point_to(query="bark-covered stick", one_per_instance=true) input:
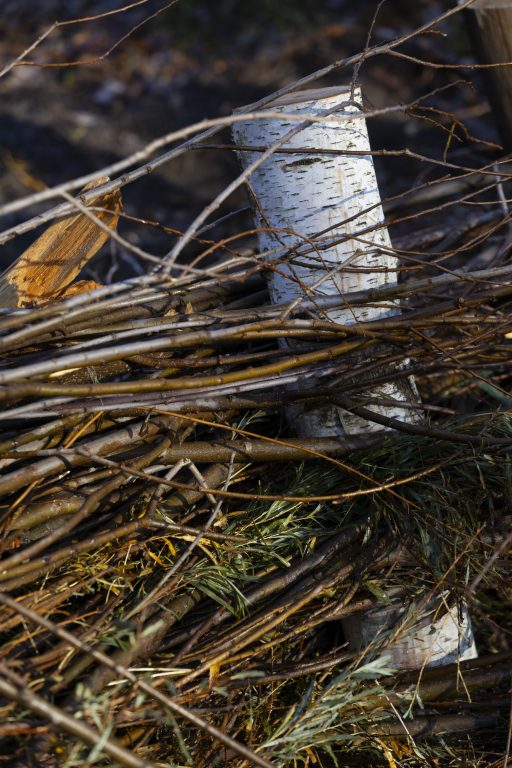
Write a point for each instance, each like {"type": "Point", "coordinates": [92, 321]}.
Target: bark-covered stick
{"type": "Point", "coordinates": [490, 26]}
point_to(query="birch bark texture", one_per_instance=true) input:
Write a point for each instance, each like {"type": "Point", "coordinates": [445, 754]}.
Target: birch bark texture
{"type": "Point", "coordinates": [322, 225]}
{"type": "Point", "coordinates": [323, 232]}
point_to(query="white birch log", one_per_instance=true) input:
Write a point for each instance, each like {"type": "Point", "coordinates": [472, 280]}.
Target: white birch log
{"type": "Point", "coordinates": [307, 201]}
{"type": "Point", "coordinates": [440, 635]}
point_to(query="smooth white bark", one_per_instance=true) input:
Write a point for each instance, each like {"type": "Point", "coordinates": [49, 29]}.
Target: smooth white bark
{"type": "Point", "coordinates": [327, 207]}
{"type": "Point", "coordinates": [441, 636]}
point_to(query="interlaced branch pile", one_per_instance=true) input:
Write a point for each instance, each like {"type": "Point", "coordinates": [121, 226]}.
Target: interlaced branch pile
{"type": "Point", "coordinates": [175, 562]}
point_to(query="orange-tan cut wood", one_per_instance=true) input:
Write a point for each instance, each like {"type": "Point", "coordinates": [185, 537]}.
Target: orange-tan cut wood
{"type": "Point", "coordinates": [45, 270]}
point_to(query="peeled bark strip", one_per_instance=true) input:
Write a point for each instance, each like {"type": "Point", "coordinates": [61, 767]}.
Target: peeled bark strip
{"type": "Point", "coordinates": [323, 230]}
{"type": "Point", "coordinates": [45, 270]}
{"type": "Point", "coordinates": [309, 202]}
{"type": "Point", "coordinates": [490, 24]}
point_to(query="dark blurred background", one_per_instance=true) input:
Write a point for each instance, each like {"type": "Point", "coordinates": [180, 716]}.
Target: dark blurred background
{"type": "Point", "coordinates": [203, 58]}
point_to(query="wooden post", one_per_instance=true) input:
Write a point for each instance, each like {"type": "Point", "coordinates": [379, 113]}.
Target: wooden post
{"type": "Point", "coordinates": [308, 201]}
{"type": "Point", "coordinates": [490, 27]}
{"type": "Point", "coordinates": [321, 219]}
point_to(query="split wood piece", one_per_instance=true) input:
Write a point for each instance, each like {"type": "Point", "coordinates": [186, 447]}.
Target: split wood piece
{"type": "Point", "coordinates": [490, 27]}
{"type": "Point", "coordinates": [45, 270]}
{"type": "Point", "coordinates": [322, 225]}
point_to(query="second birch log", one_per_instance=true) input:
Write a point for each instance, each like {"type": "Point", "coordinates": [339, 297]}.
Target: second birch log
{"type": "Point", "coordinates": [322, 225]}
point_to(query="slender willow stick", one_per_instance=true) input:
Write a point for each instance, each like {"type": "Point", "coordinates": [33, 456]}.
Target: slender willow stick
{"type": "Point", "coordinates": [487, 675]}
{"type": "Point", "coordinates": [149, 643]}
{"type": "Point", "coordinates": [125, 673]}
{"type": "Point", "coordinates": [29, 572]}
{"type": "Point", "coordinates": [418, 429]}
{"type": "Point", "coordinates": [429, 726]}
{"type": "Point", "coordinates": [495, 279]}
{"type": "Point", "coordinates": [256, 450]}
{"type": "Point", "coordinates": [111, 442]}
{"type": "Point", "coordinates": [281, 581]}
{"type": "Point", "coordinates": [87, 508]}
{"type": "Point", "coordinates": [14, 688]}
{"type": "Point", "coordinates": [86, 358]}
